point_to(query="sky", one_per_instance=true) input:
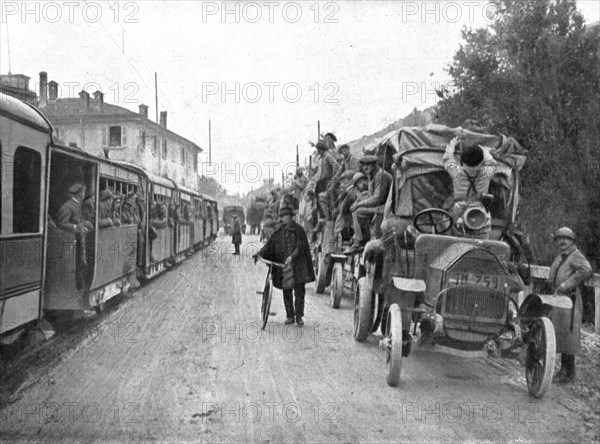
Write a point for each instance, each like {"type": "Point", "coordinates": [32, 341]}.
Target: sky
{"type": "Point", "coordinates": [263, 72]}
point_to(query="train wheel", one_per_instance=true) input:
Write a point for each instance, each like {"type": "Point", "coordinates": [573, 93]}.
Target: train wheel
{"type": "Point", "coordinates": [393, 346]}
{"type": "Point", "coordinates": [541, 355]}
{"type": "Point", "coordinates": [336, 289]}
{"type": "Point", "coordinates": [321, 273]}
{"type": "Point", "coordinates": [363, 310]}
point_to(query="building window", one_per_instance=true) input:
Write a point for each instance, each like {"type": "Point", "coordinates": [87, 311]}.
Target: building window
{"type": "Point", "coordinates": [182, 155]}
{"type": "Point", "coordinates": [114, 136]}
{"type": "Point", "coordinates": [142, 140]}
{"type": "Point", "coordinates": [195, 162]}
{"type": "Point", "coordinates": [164, 149]}
{"type": "Point", "coordinates": [155, 146]}
{"type": "Point", "coordinates": [26, 191]}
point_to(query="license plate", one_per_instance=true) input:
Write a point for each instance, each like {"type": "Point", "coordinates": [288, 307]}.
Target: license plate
{"type": "Point", "coordinates": [482, 280]}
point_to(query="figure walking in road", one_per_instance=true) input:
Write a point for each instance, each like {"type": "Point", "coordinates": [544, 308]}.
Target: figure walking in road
{"type": "Point", "coordinates": [568, 271]}
{"type": "Point", "coordinates": [289, 246]}
{"type": "Point", "coordinates": [236, 235]}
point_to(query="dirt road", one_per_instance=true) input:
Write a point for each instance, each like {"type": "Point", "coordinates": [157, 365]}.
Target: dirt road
{"type": "Point", "coordinates": [184, 359]}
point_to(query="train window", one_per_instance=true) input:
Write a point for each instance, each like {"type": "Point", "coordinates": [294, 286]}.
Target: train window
{"type": "Point", "coordinates": [26, 191]}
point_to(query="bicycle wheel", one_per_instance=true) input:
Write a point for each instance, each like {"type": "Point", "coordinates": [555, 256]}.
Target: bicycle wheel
{"type": "Point", "coordinates": [266, 302]}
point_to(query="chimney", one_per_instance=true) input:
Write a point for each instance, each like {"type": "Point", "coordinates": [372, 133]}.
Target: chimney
{"type": "Point", "coordinates": [163, 119]}
{"type": "Point", "coordinates": [52, 91]}
{"type": "Point", "coordinates": [99, 99]}
{"type": "Point", "coordinates": [85, 99]}
{"type": "Point", "coordinates": [43, 88]}
{"type": "Point", "coordinates": [144, 110]}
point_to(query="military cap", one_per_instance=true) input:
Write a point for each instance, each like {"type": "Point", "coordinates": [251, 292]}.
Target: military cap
{"type": "Point", "coordinates": [368, 158]}
{"type": "Point", "coordinates": [332, 136]}
{"type": "Point", "coordinates": [286, 211]}
{"type": "Point", "coordinates": [565, 232]}
{"type": "Point", "coordinates": [106, 195]}
{"type": "Point", "coordinates": [75, 188]}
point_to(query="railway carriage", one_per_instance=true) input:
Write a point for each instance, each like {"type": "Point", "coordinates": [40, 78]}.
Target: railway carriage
{"type": "Point", "coordinates": [25, 137]}
{"type": "Point", "coordinates": [45, 269]}
{"type": "Point", "coordinates": [84, 271]}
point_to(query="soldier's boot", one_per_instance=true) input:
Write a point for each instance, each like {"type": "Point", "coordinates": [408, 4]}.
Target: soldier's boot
{"type": "Point", "coordinates": [569, 365]}
{"type": "Point", "coordinates": [563, 368]}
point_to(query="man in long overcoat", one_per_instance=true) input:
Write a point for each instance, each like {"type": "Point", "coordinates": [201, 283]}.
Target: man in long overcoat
{"type": "Point", "coordinates": [289, 245]}
{"type": "Point", "coordinates": [236, 235]}
{"type": "Point", "coordinates": [568, 271]}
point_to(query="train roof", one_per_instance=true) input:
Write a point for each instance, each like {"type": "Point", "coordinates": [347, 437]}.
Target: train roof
{"type": "Point", "coordinates": [24, 113]}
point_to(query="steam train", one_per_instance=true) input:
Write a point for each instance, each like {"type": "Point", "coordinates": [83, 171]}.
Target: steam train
{"type": "Point", "coordinates": [45, 269]}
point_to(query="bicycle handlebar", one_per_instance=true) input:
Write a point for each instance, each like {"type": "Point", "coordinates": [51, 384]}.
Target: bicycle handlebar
{"type": "Point", "coordinates": [268, 262]}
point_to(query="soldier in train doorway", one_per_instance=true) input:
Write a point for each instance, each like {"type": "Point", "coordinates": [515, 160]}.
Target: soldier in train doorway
{"type": "Point", "coordinates": [236, 235]}
{"type": "Point", "coordinates": [289, 246]}
{"type": "Point", "coordinates": [568, 271]}
{"type": "Point", "coordinates": [70, 219]}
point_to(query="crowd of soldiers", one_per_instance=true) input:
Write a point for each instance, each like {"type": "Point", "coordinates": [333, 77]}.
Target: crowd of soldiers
{"type": "Point", "coordinates": [338, 187]}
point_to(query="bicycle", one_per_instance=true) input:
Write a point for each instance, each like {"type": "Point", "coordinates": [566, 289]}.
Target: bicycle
{"type": "Point", "coordinates": [267, 293]}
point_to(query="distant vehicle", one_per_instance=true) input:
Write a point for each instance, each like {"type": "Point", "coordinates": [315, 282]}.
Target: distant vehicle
{"type": "Point", "coordinates": [255, 212]}
{"type": "Point", "coordinates": [228, 213]}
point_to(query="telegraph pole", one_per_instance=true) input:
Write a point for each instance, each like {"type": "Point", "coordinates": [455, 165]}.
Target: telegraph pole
{"type": "Point", "coordinates": [318, 130]}
{"type": "Point", "coordinates": [297, 157]}
{"type": "Point", "coordinates": [156, 140]}
{"type": "Point", "coordinates": [209, 144]}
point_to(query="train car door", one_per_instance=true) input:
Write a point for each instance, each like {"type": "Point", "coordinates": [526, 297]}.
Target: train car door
{"type": "Point", "coordinates": [70, 254]}
{"type": "Point", "coordinates": [24, 140]}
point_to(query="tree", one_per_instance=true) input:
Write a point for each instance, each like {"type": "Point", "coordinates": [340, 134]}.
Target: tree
{"type": "Point", "coordinates": [535, 74]}
{"type": "Point", "coordinates": [211, 187]}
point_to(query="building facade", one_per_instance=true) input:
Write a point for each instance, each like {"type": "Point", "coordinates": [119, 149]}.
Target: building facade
{"type": "Point", "coordinates": [111, 131]}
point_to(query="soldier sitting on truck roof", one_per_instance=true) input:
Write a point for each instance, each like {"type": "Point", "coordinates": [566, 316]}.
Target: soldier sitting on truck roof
{"type": "Point", "coordinates": [471, 180]}
{"type": "Point", "coordinates": [369, 212]}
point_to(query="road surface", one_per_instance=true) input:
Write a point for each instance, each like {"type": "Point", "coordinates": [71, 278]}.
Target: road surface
{"type": "Point", "coordinates": [183, 359]}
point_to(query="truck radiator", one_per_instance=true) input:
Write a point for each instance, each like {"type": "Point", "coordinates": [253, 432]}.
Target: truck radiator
{"type": "Point", "coordinates": [471, 302]}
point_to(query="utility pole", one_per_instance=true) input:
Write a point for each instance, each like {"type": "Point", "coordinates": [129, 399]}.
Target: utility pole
{"type": "Point", "coordinates": [209, 144]}
{"type": "Point", "coordinates": [297, 157]}
{"type": "Point", "coordinates": [318, 130]}
{"type": "Point", "coordinates": [156, 139]}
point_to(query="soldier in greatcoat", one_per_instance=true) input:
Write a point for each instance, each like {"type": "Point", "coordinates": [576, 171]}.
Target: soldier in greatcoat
{"type": "Point", "coordinates": [568, 271]}
{"type": "Point", "coordinates": [236, 235]}
{"type": "Point", "coordinates": [289, 245]}
{"type": "Point", "coordinates": [71, 220]}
